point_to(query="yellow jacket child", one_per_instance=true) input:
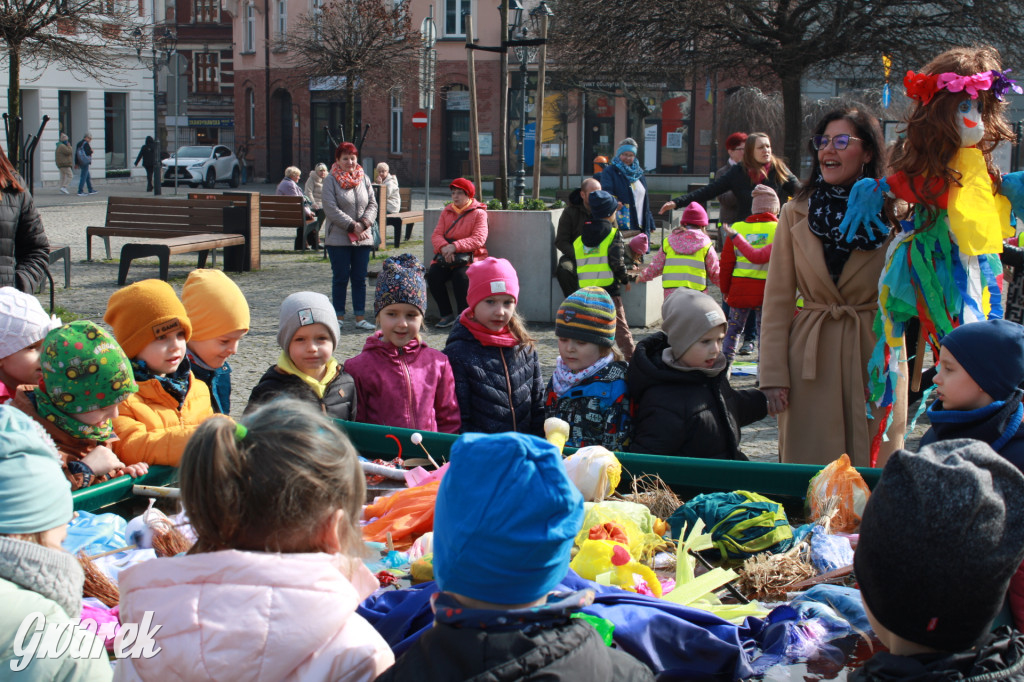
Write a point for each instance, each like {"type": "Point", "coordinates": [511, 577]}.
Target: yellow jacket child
{"type": "Point", "coordinates": [154, 424]}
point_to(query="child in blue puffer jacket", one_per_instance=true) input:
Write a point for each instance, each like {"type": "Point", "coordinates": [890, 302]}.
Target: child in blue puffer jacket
{"type": "Point", "coordinates": [497, 371]}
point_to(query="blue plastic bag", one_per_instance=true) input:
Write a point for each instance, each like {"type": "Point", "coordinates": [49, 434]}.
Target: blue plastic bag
{"type": "Point", "coordinates": [95, 533]}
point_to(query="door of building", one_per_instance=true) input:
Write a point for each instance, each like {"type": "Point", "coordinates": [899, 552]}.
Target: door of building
{"type": "Point", "coordinates": [456, 130]}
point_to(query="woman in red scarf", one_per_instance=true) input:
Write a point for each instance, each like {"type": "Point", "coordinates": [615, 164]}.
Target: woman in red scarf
{"type": "Point", "coordinates": [351, 210]}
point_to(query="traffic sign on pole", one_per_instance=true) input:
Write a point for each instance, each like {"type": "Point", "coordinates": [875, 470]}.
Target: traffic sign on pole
{"type": "Point", "coordinates": [419, 119]}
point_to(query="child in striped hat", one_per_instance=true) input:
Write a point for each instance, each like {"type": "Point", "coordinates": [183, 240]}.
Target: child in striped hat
{"type": "Point", "coordinates": [588, 388]}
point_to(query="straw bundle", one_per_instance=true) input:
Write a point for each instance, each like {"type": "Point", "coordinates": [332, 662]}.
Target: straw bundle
{"type": "Point", "coordinates": [97, 584]}
{"type": "Point", "coordinates": [652, 492]}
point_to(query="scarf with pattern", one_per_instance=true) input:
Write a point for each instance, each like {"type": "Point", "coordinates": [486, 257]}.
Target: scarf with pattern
{"type": "Point", "coordinates": [564, 379]}
{"type": "Point", "coordinates": [347, 179]}
{"type": "Point", "coordinates": [176, 384]}
{"type": "Point", "coordinates": [826, 208]}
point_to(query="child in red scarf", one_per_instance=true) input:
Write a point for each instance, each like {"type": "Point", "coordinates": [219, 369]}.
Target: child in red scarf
{"type": "Point", "coordinates": [496, 368]}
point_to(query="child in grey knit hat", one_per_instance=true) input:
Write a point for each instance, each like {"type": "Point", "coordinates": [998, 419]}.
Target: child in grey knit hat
{"type": "Point", "coordinates": [679, 384]}
{"type": "Point", "coordinates": [308, 333]}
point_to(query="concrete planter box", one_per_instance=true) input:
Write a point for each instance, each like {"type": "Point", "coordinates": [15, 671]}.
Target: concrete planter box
{"type": "Point", "coordinates": [527, 240]}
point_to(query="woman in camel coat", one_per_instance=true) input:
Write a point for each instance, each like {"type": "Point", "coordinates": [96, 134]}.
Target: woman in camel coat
{"type": "Point", "coordinates": [813, 360]}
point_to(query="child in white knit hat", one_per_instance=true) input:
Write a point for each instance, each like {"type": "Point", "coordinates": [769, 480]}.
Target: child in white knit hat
{"type": "Point", "coordinates": [23, 325]}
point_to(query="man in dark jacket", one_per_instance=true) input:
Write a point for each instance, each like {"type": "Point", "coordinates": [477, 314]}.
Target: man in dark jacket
{"type": "Point", "coordinates": [148, 160]}
{"type": "Point", "coordinates": [960, 501]}
{"type": "Point", "coordinates": [83, 159]}
{"type": "Point", "coordinates": [570, 227]}
{"type": "Point", "coordinates": [504, 525]}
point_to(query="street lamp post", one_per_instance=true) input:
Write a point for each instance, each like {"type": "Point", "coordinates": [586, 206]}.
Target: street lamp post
{"type": "Point", "coordinates": [163, 47]}
{"type": "Point", "coordinates": [526, 50]}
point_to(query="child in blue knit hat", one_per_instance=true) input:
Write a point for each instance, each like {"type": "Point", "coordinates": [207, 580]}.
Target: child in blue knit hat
{"type": "Point", "coordinates": [980, 372]}
{"type": "Point", "coordinates": [504, 524]}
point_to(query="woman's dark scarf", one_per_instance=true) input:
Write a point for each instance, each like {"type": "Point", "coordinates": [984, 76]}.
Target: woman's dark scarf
{"type": "Point", "coordinates": [826, 208]}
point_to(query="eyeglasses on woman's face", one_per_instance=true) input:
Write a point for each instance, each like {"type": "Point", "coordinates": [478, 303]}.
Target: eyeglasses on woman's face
{"type": "Point", "coordinates": [839, 142]}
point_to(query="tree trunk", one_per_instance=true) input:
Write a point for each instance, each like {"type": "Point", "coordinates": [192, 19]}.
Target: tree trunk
{"type": "Point", "coordinates": [13, 103]}
{"type": "Point", "coordinates": [350, 108]}
{"type": "Point", "coordinates": [792, 117]}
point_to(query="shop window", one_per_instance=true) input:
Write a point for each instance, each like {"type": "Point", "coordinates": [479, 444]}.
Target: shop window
{"type": "Point", "coordinates": [115, 129]}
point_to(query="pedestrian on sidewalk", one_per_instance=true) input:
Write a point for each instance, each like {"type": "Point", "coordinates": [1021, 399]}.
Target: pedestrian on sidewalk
{"type": "Point", "coordinates": [83, 160]}
{"type": "Point", "coordinates": [148, 159]}
{"type": "Point", "coordinates": [65, 158]}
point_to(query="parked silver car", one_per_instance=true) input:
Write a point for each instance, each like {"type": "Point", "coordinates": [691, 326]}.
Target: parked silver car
{"type": "Point", "coordinates": [202, 165]}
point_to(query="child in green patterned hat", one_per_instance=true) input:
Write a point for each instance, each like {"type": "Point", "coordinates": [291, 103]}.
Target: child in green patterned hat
{"type": "Point", "coordinates": [85, 376]}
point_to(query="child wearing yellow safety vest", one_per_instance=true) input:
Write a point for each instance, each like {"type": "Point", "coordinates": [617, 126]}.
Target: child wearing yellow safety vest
{"type": "Point", "coordinates": [687, 257]}
{"type": "Point", "coordinates": [743, 277]}
{"type": "Point", "coordinates": [600, 263]}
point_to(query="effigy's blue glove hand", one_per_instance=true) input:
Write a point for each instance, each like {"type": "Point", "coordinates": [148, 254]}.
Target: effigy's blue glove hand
{"type": "Point", "coordinates": [1012, 188]}
{"type": "Point", "coordinates": [864, 209]}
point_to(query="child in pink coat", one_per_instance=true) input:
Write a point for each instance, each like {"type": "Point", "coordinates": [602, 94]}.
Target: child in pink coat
{"type": "Point", "coordinates": [687, 239]}
{"type": "Point", "coordinates": [271, 587]}
{"type": "Point", "coordinates": [400, 381]}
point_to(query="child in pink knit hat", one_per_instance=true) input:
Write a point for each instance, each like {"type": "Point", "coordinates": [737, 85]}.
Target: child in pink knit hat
{"type": "Point", "coordinates": [497, 371]}
{"type": "Point", "coordinates": [687, 257]}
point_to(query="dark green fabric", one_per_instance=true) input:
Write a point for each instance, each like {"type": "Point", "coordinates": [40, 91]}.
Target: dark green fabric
{"type": "Point", "coordinates": [741, 523]}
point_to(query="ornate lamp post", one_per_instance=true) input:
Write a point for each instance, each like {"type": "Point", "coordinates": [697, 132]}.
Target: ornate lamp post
{"type": "Point", "coordinates": [163, 45]}
{"type": "Point", "coordinates": [522, 26]}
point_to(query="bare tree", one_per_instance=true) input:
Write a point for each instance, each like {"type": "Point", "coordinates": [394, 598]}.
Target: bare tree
{"type": "Point", "coordinates": [370, 43]}
{"type": "Point", "coordinates": [82, 36]}
{"type": "Point", "coordinates": [781, 40]}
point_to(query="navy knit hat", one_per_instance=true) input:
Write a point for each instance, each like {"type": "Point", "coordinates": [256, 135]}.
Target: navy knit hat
{"type": "Point", "coordinates": [992, 352]}
{"type": "Point", "coordinates": [602, 204]}
{"type": "Point", "coordinates": [505, 518]}
{"type": "Point", "coordinates": [400, 281]}
{"type": "Point", "coordinates": [941, 535]}
{"type": "Point", "coordinates": [587, 315]}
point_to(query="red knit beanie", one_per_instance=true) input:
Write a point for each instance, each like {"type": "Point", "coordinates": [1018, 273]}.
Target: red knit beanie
{"type": "Point", "coordinates": [465, 185]}
{"type": "Point", "coordinates": [694, 214]}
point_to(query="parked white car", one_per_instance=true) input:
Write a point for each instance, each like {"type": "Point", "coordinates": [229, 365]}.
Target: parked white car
{"type": "Point", "coordinates": [202, 165]}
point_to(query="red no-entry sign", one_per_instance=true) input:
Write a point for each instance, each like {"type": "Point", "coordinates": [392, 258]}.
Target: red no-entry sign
{"type": "Point", "coordinates": [419, 119]}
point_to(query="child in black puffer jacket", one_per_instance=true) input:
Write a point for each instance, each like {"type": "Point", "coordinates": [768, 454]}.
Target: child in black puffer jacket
{"type": "Point", "coordinates": [497, 372]}
{"type": "Point", "coordinates": [679, 385]}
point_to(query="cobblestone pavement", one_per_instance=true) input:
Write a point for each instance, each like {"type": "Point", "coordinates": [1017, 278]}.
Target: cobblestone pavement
{"type": "Point", "coordinates": [284, 271]}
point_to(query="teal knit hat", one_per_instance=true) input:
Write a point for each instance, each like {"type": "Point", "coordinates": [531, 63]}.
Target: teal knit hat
{"type": "Point", "coordinates": [35, 496]}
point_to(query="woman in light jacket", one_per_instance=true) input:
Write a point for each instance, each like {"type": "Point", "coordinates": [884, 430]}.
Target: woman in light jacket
{"type": "Point", "coordinates": [814, 358]}
{"type": "Point", "coordinates": [314, 193]}
{"type": "Point", "coordinates": [351, 210]}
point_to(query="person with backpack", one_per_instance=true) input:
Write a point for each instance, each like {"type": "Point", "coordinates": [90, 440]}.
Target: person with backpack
{"type": "Point", "coordinates": [83, 160]}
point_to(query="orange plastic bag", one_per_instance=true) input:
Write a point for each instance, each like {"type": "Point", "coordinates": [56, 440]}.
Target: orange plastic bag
{"type": "Point", "coordinates": [407, 514]}
{"type": "Point", "coordinates": [838, 479]}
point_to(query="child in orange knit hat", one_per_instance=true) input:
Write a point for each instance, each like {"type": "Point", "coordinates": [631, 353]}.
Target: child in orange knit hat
{"type": "Point", "coordinates": [220, 318]}
{"type": "Point", "coordinates": [152, 327]}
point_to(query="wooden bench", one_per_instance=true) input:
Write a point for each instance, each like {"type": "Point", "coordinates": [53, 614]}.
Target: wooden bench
{"type": "Point", "coordinates": [287, 211]}
{"type": "Point", "coordinates": [405, 215]}
{"type": "Point", "coordinates": [62, 252]}
{"type": "Point", "coordinates": [169, 226]}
